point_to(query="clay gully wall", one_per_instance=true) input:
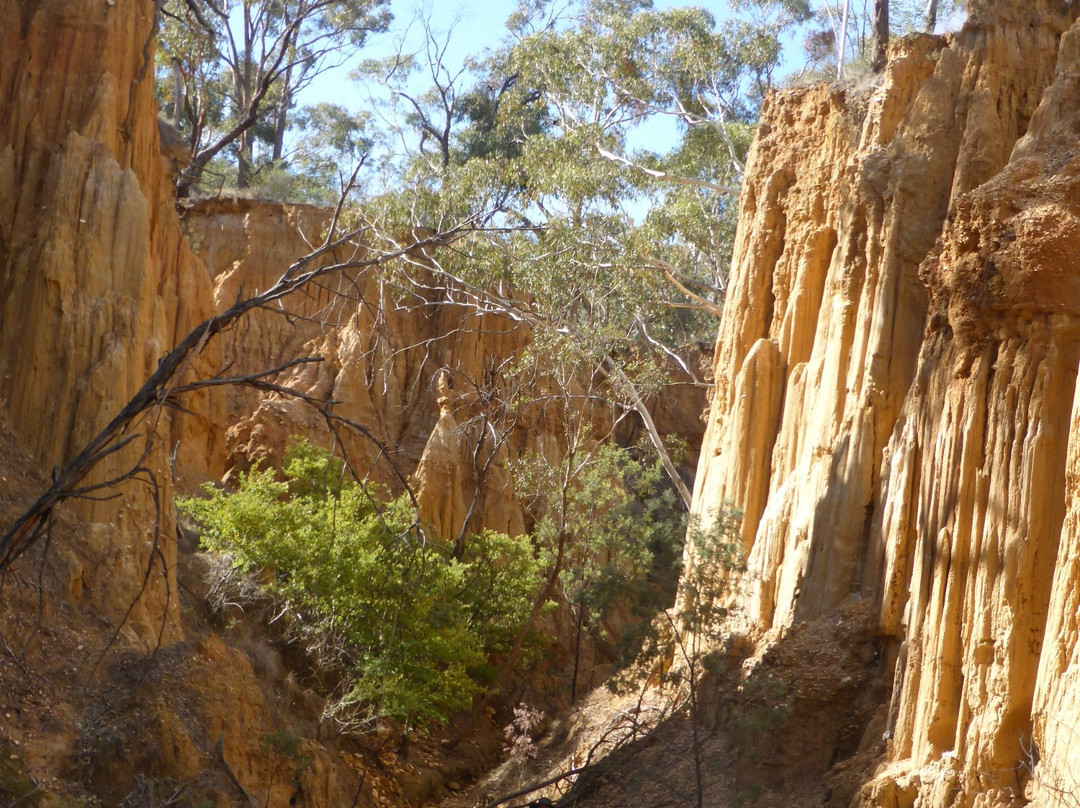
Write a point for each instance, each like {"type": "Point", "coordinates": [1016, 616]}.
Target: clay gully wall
{"type": "Point", "coordinates": [896, 370]}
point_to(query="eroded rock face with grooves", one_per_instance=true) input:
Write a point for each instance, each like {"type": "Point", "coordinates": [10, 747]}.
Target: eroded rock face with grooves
{"type": "Point", "coordinates": [96, 280]}
{"type": "Point", "coordinates": [381, 354]}
{"type": "Point", "coordinates": [413, 369]}
{"type": "Point", "coordinates": [99, 282]}
{"type": "Point", "coordinates": [895, 374]}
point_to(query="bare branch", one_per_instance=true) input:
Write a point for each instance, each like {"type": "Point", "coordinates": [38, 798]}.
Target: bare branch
{"type": "Point", "coordinates": [160, 386]}
{"type": "Point", "coordinates": [637, 401]}
{"type": "Point", "coordinates": [664, 175]}
{"type": "Point", "coordinates": [503, 304]}
{"type": "Point", "coordinates": [673, 279]}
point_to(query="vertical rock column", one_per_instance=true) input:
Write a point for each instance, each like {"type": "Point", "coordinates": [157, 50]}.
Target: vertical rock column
{"type": "Point", "coordinates": [974, 493]}
{"type": "Point", "coordinates": [845, 196]}
{"type": "Point", "coordinates": [96, 281]}
{"type": "Point", "coordinates": [1052, 752]}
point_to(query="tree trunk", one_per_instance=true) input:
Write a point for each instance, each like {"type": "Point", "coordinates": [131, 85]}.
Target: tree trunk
{"type": "Point", "coordinates": [244, 83]}
{"type": "Point", "coordinates": [881, 35]}
{"type": "Point", "coordinates": [245, 142]}
{"type": "Point", "coordinates": [841, 46]}
{"type": "Point", "coordinates": [281, 114]}
{"type": "Point", "coordinates": [931, 15]}
{"type": "Point", "coordinates": [190, 176]}
{"type": "Point", "coordinates": [577, 655]}
{"type": "Point", "coordinates": [699, 789]}
{"type": "Point", "coordinates": [280, 126]}
{"type": "Point", "coordinates": [244, 159]}
{"type": "Point", "coordinates": [178, 93]}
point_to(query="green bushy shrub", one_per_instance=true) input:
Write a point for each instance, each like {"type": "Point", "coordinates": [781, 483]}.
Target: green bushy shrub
{"type": "Point", "coordinates": [409, 627]}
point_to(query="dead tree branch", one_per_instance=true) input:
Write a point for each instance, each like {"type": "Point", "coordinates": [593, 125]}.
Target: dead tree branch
{"type": "Point", "coordinates": [161, 387]}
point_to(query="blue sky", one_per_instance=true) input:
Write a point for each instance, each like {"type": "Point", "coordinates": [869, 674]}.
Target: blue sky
{"type": "Point", "coordinates": [480, 24]}
{"type": "Point", "coordinates": [477, 25]}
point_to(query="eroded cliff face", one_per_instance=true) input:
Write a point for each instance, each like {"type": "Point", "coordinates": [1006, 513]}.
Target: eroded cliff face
{"type": "Point", "coordinates": [96, 284]}
{"type": "Point", "coordinates": [97, 281]}
{"type": "Point", "coordinates": [115, 692]}
{"type": "Point", "coordinates": [896, 372]}
{"type": "Point", "coordinates": [380, 357]}
{"type": "Point", "coordinates": [423, 376]}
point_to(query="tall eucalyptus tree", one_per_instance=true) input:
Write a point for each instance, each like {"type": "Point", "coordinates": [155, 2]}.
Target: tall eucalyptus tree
{"type": "Point", "coordinates": [229, 71]}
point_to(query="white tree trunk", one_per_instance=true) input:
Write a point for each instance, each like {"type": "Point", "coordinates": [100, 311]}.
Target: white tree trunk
{"type": "Point", "coordinates": [841, 41]}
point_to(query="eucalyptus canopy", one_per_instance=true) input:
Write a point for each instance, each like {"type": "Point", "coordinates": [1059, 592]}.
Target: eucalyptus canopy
{"type": "Point", "coordinates": [589, 166]}
{"type": "Point", "coordinates": [229, 71]}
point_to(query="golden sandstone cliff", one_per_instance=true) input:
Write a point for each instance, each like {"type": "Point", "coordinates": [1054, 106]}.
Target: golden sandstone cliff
{"type": "Point", "coordinates": [895, 411]}
{"type": "Point", "coordinates": [97, 281]}
{"type": "Point", "coordinates": [895, 383]}
{"type": "Point", "coordinates": [422, 375]}
{"type": "Point", "coordinates": [380, 352]}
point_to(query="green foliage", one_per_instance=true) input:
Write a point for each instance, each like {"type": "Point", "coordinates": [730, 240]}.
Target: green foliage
{"type": "Point", "coordinates": [288, 749]}
{"type": "Point", "coordinates": [330, 142]}
{"type": "Point", "coordinates": [404, 623]}
{"type": "Point", "coordinates": [910, 16]}
{"type": "Point", "coordinates": [546, 146]}
{"type": "Point", "coordinates": [760, 711]}
{"type": "Point", "coordinates": [499, 585]}
{"type": "Point", "coordinates": [685, 634]}
{"type": "Point", "coordinates": [681, 641]}
{"type": "Point", "coordinates": [821, 35]}
{"type": "Point", "coordinates": [286, 744]}
{"type": "Point", "coordinates": [577, 226]}
{"type": "Point", "coordinates": [716, 557]}
{"type": "Point", "coordinates": [608, 521]}
{"type": "Point", "coordinates": [229, 72]}
{"type": "Point", "coordinates": [526, 136]}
